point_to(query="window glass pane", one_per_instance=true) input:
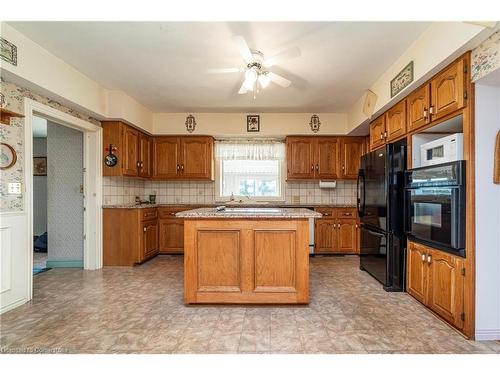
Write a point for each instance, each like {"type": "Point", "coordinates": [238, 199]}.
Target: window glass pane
{"type": "Point", "coordinates": [255, 178]}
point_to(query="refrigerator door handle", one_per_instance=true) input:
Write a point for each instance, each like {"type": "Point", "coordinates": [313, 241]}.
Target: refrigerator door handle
{"type": "Point", "coordinates": [360, 191]}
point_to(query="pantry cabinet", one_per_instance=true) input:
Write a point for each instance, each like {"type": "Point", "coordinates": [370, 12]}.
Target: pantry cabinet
{"type": "Point", "coordinates": [183, 158]}
{"type": "Point", "coordinates": [337, 231]}
{"type": "Point", "coordinates": [323, 158]}
{"type": "Point", "coordinates": [436, 279]}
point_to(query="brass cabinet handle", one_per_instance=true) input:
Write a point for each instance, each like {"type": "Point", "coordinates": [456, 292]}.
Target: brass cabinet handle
{"type": "Point", "coordinates": [429, 259]}
{"type": "Point", "coordinates": [431, 110]}
{"type": "Point", "coordinates": [343, 167]}
{"type": "Point", "coordinates": [144, 229]}
{"type": "Point", "coordinates": [326, 214]}
{"type": "Point", "coordinates": [385, 134]}
{"type": "Point", "coordinates": [178, 167]}
{"type": "Point", "coordinates": [317, 167]}
{"type": "Point", "coordinates": [423, 257]}
{"type": "Point", "coordinates": [381, 135]}
{"type": "Point", "coordinates": [425, 113]}
{"type": "Point", "coordinates": [312, 167]}
{"type": "Point", "coordinates": [172, 213]}
{"type": "Point", "coordinates": [347, 214]}
{"type": "Point", "coordinates": [182, 167]}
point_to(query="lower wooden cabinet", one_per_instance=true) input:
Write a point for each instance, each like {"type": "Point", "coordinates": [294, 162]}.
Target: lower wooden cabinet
{"type": "Point", "coordinates": [436, 279]}
{"type": "Point", "coordinates": [130, 235]}
{"type": "Point", "coordinates": [337, 231]}
{"type": "Point", "coordinates": [171, 230]}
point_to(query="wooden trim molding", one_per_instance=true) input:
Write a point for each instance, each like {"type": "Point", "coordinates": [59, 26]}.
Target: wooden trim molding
{"type": "Point", "coordinates": [496, 166]}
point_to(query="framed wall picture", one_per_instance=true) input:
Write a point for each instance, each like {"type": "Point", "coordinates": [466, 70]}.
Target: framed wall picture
{"type": "Point", "coordinates": [403, 79]}
{"type": "Point", "coordinates": [253, 123]}
{"type": "Point", "coordinates": [40, 166]}
{"type": "Point", "coordinates": [8, 51]}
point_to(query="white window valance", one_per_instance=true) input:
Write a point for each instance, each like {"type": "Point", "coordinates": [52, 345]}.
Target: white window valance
{"type": "Point", "coordinates": [250, 150]}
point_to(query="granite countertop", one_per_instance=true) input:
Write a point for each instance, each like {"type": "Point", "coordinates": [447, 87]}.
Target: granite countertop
{"type": "Point", "coordinates": [250, 212]}
{"type": "Point", "coordinates": [263, 205]}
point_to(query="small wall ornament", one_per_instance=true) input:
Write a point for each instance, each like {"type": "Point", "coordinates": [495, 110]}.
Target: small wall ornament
{"type": "Point", "coordinates": [190, 123]}
{"type": "Point", "coordinates": [314, 123]}
{"type": "Point", "coordinates": [403, 79]}
{"type": "Point", "coordinates": [253, 123]}
{"type": "Point", "coordinates": [8, 51]}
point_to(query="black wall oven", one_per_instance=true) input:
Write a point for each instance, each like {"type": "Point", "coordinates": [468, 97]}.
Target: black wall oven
{"type": "Point", "coordinates": [436, 206]}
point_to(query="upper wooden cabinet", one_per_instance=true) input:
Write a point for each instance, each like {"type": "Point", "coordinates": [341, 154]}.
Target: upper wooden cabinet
{"type": "Point", "coordinates": [441, 96]}
{"type": "Point", "coordinates": [145, 166]}
{"type": "Point", "coordinates": [395, 121]}
{"type": "Point", "coordinates": [436, 279]}
{"type": "Point", "coordinates": [183, 158]}
{"type": "Point", "coordinates": [377, 132]}
{"type": "Point", "coordinates": [351, 150]}
{"type": "Point", "coordinates": [131, 147]}
{"type": "Point", "coordinates": [323, 158]}
{"type": "Point", "coordinates": [448, 90]}
{"type": "Point", "coordinates": [418, 108]}
{"type": "Point", "coordinates": [300, 157]}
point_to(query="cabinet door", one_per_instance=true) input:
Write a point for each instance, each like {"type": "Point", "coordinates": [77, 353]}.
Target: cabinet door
{"type": "Point", "coordinates": [447, 90]}
{"type": "Point", "coordinates": [351, 150]}
{"type": "Point", "coordinates": [166, 157]}
{"type": "Point", "coordinates": [446, 286]}
{"type": "Point", "coordinates": [145, 151]}
{"type": "Point", "coordinates": [377, 133]}
{"type": "Point", "coordinates": [395, 121]}
{"type": "Point", "coordinates": [346, 236]}
{"type": "Point", "coordinates": [149, 239]}
{"type": "Point", "coordinates": [196, 158]}
{"type": "Point", "coordinates": [416, 283]}
{"type": "Point", "coordinates": [171, 236]}
{"type": "Point", "coordinates": [130, 152]}
{"type": "Point", "coordinates": [300, 157]}
{"type": "Point", "coordinates": [327, 158]}
{"type": "Point", "coordinates": [418, 108]}
{"type": "Point", "coordinates": [324, 235]}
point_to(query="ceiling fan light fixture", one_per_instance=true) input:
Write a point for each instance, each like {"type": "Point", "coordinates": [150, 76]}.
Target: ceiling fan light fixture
{"type": "Point", "coordinates": [264, 80]}
{"type": "Point", "coordinates": [250, 78]}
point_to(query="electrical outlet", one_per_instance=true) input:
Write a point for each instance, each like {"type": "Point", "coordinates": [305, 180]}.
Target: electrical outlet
{"type": "Point", "coordinates": [14, 188]}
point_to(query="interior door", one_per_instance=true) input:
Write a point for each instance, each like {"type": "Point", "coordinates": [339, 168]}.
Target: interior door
{"type": "Point", "coordinates": [131, 151]}
{"type": "Point", "coordinates": [196, 157]}
{"type": "Point", "coordinates": [166, 157]}
{"type": "Point", "coordinates": [300, 158]}
{"type": "Point", "coordinates": [327, 158]}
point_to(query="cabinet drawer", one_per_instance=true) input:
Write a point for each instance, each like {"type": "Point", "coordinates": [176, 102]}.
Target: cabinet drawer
{"type": "Point", "coordinates": [169, 212]}
{"type": "Point", "coordinates": [148, 213]}
{"type": "Point", "coordinates": [345, 212]}
{"type": "Point", "coordinates": [327, 212]}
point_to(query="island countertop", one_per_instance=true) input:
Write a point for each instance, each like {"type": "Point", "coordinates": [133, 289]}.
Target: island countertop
{"type": "Point", "coordinates": [249, 213]}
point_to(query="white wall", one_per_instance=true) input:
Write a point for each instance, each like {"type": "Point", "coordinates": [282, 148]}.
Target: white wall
{"type": "Point", "coordinates": [64, 199]}
{"type": "Point", "coordinates": [234, 124]}
{"type": "Point", "coordinates": [487, 215]}
{"type": "Point", "coordinates": [39, 191]}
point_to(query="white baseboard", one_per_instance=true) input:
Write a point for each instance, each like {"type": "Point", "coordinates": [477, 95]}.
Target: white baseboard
{"type": "Point", "coordinates": [13, 305]}
{"type": "Point", "coordinates": [487, 334]}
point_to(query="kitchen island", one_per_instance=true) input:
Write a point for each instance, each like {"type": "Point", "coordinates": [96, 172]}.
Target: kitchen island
{"type": "Point", "coordinates": [246, 255]}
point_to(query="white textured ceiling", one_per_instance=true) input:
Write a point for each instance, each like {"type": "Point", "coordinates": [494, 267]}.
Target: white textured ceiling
{"type": "Point", "coordinates": [163, 64]}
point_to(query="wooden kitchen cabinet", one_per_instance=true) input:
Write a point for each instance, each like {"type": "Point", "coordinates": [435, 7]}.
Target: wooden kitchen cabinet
{"type": "Point", "coordinates": [300, 158]}
{"type": "Point", "coordinates": [377, 133]}
{"type": "Point", "coordinates": [145, 166]}
{"type": "Point", "coordinates": [337, 231]}
{"type": "Point", "coordinates": [351, 150]}
{"type": "Point", "coordinates": [130, 151]}
{"type": "Point", "coordinates": [183, 158]}
{"type": "Point", "coordinates": [448, 89]}
{"type": "Point", "coordinates": [418, 108]}
{"type": "Point", "coordinates": [323, 158]}
{"type": "Point", "coordinates": [395, 121]}
{"type": "Point", "coordinates": [436, 279]}
{"type": "Point", "coordinates": [171, 230]}
{"type": "Point", "coordinates": [130, 235]}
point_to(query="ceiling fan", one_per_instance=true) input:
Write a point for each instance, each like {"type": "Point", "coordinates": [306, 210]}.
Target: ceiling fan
{"type": "Point", "coordinates": [257, 75]}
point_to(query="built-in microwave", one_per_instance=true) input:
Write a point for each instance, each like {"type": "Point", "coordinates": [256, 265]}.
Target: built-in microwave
{"type": "Point", "coordinates": [442, 150]}
{"type": "Point", "coordinates": [436, 206]}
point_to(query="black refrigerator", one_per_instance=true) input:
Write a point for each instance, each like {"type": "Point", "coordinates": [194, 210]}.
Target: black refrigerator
{"type": "Point", "coordinates": [381, 205]}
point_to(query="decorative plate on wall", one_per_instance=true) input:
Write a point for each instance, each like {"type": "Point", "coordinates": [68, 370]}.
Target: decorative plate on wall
{"type": "Point", "coordinates": [8, 156]}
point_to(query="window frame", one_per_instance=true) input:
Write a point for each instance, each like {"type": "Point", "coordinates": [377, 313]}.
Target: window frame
{"type": "Point", "coordinates": [244, 199]}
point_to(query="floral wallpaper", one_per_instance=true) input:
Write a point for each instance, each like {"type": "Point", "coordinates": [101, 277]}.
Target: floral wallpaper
{"type": "Point", "coordinates": [13, 135]}
{"type": "Point", "coordinates": [486, 57]}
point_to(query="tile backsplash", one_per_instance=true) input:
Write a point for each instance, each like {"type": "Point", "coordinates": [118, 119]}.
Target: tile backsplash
{"type": "Point", "coordinates": [123, 190]}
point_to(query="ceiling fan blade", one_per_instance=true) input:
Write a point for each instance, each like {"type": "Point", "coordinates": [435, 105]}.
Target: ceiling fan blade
{"type": "Point", "coordinates": [243, 89]}
{"type": "Point", "coordinates": [223, 70]}
{"type": "Point", "coordinates": [243, 48]}
{"type": "Point", "coordinates": [279, 80]}
{"type": "Point", "coordinates": [283, 55]}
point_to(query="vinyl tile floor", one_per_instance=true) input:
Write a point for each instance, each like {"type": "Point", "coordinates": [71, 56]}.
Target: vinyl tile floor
{"type": "Point", "coordinates": [141, 310]}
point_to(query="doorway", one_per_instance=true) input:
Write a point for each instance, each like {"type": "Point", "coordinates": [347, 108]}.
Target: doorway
{"type": "Point", "coordinates": [58, 199]}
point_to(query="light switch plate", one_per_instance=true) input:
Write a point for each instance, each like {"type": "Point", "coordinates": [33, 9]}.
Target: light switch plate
{"type": "Point", "coordinates": [14, 188]}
